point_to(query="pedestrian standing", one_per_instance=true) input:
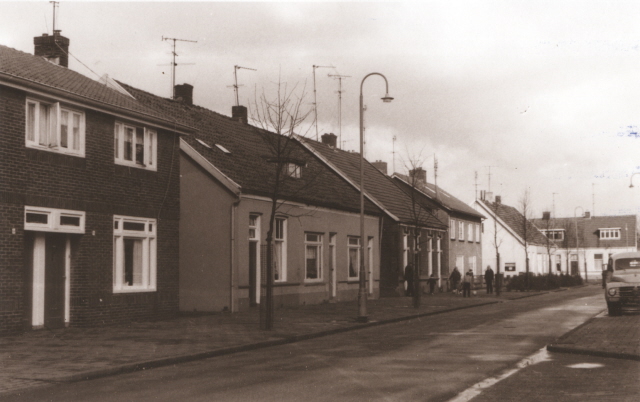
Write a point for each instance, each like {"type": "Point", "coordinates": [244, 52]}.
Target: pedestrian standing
{"type": "Point", "coordinates": [454, 278]}
{"type": "Point", "coordinates": [432, 283]}
{"type": "Point", "coordinates": [466, 284]}
{"type": "Point", "coordinates": [488, 278]}
{"type": "Point", "coordinates": [408, 277]}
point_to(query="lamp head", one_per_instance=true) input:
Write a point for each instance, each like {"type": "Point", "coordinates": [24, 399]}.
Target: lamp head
{"type": "Point", "coordinates": [631, 185]}
{"type": "Point", "coordinates": [387, 99]}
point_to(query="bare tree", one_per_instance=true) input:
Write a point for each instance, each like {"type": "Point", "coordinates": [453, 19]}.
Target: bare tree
{"type": "Point", "coordinates": [550, 235]}
{"type": "Point", "coordinates": [528, 229]}
{"type": "Point", "coordinates": [497, 241]}
{"type": "Point", "coordinates": [278, 118]}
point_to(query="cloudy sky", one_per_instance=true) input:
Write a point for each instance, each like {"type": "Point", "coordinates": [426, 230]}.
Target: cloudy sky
{"type": "Point", "coordinates": [545, 93]}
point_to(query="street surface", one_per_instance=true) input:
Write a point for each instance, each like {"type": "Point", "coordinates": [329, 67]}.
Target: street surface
{"type": "Point", "coordinates": [430, 359]}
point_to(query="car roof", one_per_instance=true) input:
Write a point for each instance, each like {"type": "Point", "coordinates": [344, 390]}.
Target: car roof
{"type": "Point", "coordinates": [630, 254]}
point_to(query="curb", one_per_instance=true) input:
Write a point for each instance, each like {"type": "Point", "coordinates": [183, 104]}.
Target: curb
{"type": "Point", "coordinates": [589, 352]}
{"type": "Point", "coordinates": [167, 361]}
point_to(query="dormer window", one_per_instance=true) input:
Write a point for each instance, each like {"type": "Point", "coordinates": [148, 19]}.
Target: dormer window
{"type": "Point", "coordinates": [293, 170]}
{"type": "Point", "coordinates": [135, 146]}
{"type": "Point", "coordinates": [55, 128]}
{"type": "Point", "coordinates": [610, 234]}
{"type": "Point", "coordinates": [554, 234]}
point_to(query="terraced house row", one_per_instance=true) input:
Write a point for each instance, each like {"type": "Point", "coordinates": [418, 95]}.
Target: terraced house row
{"type": "Point", "coordinates": [119, 205]}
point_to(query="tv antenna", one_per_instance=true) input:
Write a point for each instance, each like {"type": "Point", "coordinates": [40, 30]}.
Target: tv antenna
{"type": "Point", "coordinates": [339, 78]}
{"type": "Point", "coordinates": [476, 183]}
{"type": "Point", "coordinates": [56, 4]}
{"type": "Point", "coordinates": [315, 99]}
{"type": "Point", "coordinates": [553, 207]}
{"type": "Point", "coordinates": [393, 152]}
{"type": "Point", "coordinates": [435, 173]}
{"type": "Point", "coordinates": [174, 64]}
{"type": "Point", "coordinates": [489, 175]}
{"type": "Point", "coordinates": [236, 86]}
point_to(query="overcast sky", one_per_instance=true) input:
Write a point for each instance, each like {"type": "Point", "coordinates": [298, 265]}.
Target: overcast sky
{"type": "Point", "coordinates": [547, 93]}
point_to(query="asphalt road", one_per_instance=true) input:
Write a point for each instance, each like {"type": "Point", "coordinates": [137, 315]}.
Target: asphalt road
{"type": "Point", "coordinates": [430, 359]}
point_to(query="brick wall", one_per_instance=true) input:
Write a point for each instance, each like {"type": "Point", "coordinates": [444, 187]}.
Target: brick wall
{"type": "Point", "coordinates": [96, 185]}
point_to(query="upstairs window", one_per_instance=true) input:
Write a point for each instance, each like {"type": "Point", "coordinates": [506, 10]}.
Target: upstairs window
{"type": "Point", "coordinates": [135, 146]}
{"type": "Point", "coordinates": [469, 232]}
{"type": "Point", "coordinates": [452, 229]}
{"type": "Point", "coordinates": [610, 234]}
{"type": "Point", "coordinates": [460, 230]}
{"type": "Point", "coordinates": [54, 128]}
{"type": "Point", "coordinates": [477, 233]}
{"type": "Point", "coordinates": [293, 170]}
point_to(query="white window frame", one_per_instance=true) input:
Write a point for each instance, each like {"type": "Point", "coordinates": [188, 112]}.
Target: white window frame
{"type": "Point", "coordinates": [54, 220]}
{"type": "Point", "coordinates": [280, 241]}
{"type": "Point", "coordinates": [610, 233]}
{"type": "Point", "coordinates": [52, 140]}
{"type": "Point", "coordinates": [149, 146]}
{"type": "Point", "coordinates": [554, 234]}
{"type": "Point", "coordinates": [293, 170]}
{"type": "Point", "coordinates": [477, 233]}
{"type": "Point", "coordinates": [470, 232]}
{"type": "Point", "coordinates": [317, 244]}
{"type": "Point", "coordinates": [350, 247]}
{"type": "Point", "coordinates": [405, 249]}
{"type": "Point", "coordinates": [460, 230]}
{"type": "Point", "coordinates": [149, 253]}
{"type": "Point", "coordinates": [453, 229]}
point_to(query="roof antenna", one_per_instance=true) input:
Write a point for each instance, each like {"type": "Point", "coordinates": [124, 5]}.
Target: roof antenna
{"type": "Point", "coordinates": [435, 173]}
{"type": "Point", "coordinates": [236, 86]}
{"type": "Point", "coordinates": [339, 78]}
{"type": "Point", "coordinates": [55, 5]}
{"type": "Point", "coordinates": [393, 152]}
{"type": "Point", "coordinates": [174, 64]}
{"type": "Point", "coordinates": [315, 99]}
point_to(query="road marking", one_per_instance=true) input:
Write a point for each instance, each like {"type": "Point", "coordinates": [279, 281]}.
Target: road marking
{"type": "Point", "coordinates": [586, 365]}
{"type": "Point", "coordinates": [476, 389]}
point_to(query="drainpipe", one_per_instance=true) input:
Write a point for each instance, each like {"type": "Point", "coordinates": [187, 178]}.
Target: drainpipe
{"type": "Point", "coordinates": [232, 264]}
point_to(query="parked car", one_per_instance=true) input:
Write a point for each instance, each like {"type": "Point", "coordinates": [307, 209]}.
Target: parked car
{"type": "Point", "coordinates": [623, 282]}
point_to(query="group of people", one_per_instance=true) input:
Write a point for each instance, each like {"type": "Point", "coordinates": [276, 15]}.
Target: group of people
{"type": "Point", "coordinates": [454, 279]}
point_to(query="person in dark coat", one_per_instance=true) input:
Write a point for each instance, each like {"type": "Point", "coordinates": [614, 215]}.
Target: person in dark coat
{"type": "Point", "coordinates": [408, 277]}
{"type": "Point", "coordinates": [454, 278]}
{"type": "Point", "coordinates": [488, 278]}
{"type": "Point", "coordinates": [432, 283]}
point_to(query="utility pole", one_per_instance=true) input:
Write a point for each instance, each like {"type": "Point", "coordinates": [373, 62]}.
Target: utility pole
{"type": "Point", "coordinates": [236, 86]}
{"type": "Point", "coordinates": [315, 98]}
{"type": "Point", "coordinates": [339, 78]}
{"type": "Point", "coordinates": [174, 64]}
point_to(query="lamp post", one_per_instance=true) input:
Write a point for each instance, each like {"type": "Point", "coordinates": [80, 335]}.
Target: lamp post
{"type": "Point", "coordinates": [362, 289]}
{"type": "Point", "coordinates": [631, 184]}
{"type": "Point", "coordinates": [575, 217]}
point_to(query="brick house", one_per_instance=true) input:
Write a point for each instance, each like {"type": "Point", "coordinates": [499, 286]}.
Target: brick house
{"type": "Point", "coordinates": [598, 237]}
{"type": "Point", "coordinates": [401, 215]}
{"type": "Point", "coordinates": [227, 177]}
{"type": "Point", "coordinates": [89, 197]}
{"type": "Point", "coordinates": [465, 224]}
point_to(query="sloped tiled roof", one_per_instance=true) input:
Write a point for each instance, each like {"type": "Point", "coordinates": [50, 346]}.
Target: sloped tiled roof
{"type": "Point", "coordinates": [589, 230]}
{"type": "Point", "coordinates": [442, 198]}
{"type": "Point", "coordinates": [249, 162]}
{"type": "Point", "coordinates": [27, 68]}
{"type": "Point", "coordinates": [515, 220]}
{"type": "Point", "coordinates": [378, 185]}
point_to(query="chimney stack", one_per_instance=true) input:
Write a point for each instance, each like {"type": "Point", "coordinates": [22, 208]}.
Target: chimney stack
{"type": "Point", "coordinates": [329, 139]}
{"type": "Point", "coordinates": [184, 93]}
{"type": "Point", "coordinates": [419, 174]}
{"type": "Point", "coordinates": [381, 166]}
{"type": "Point", "coordinates": [546, 215]}
{"type": "Point", "coordinates": [55, 48]}
{"type": "Point", "coordinates": [498, 199]}
{"type": "Point", "coordinates": [240, 113]}
{"type": "Point", "coordinates": [587, 214]}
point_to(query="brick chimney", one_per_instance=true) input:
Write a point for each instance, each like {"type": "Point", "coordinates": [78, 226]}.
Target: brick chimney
{"type": "Point", "coordinates": [498, 199]}
{"type": "Point", "coordinates": [329, 139]}
{"type": "Point", "coordinates": [240, 113]}
{"type": "Point", "coordinates": [587, 214]}
{"type": "Point", "coordinates": [184, 93]}
{"type": "Point", "coordinates": [419, 174]}
{"type": "Point", "coordinates": [546, 215]}
{"type": "Point", "coordinates": [381, 166]}
{"type": "Point", "coordinates": [55, 48]}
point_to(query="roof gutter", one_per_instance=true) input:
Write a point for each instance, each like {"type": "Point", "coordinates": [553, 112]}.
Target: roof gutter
{"type": "Point", "coordinates": [86, 102]}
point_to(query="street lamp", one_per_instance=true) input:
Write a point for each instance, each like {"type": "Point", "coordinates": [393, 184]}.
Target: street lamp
{"type": "Point", "coordinates": [631, 184]}
{"type": "Point", "coordinates": [575, 217]}
{"type": "Point", "coordinates": [362, 290]}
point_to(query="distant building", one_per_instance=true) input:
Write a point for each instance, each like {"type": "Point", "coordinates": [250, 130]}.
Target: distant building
{"type": "Point", "coordinates": [597, 238]}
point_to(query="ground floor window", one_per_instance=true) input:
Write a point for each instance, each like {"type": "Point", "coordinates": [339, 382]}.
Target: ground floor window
{"type": "Point", "coordinates": [134, 254]}
{"type": "Point", "coordinates": [354, 257]}
{"type": "Point", "coordinates": [313, 256]}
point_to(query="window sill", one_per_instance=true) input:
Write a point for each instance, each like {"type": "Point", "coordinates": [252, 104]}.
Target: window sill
{"type": "Point", "coordinates": [283, 284]}
{"type": "Point", "coordinates": [56, 150]}
{"type": "Point", "coordinates": [135, 165]}
{"type": "Point", "coordinates": [136, 290]}
{"type": "Point", "coordinates": [315, 283]}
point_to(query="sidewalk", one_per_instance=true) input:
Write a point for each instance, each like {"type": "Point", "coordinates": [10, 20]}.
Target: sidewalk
{"type": "Point", "coordinates": [617, 337]}
{"type": "Point", "coordinates": [37, 358]}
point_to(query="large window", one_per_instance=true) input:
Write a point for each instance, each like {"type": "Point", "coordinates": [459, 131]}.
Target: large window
{"type": "Point", "coordinates": [477, 233]}
{"type": "Point", "coordinates": [610, 234]}
{"type": "Point", "coordinates": [452, 229]}
{"type": "Point", "coordinates": [54, 128]}
{"type": "Point", "coordinates": [280, 250]}
{"type": "Point", "coordinates": [135, 146]}
{"type": "Point", "coordinates": [460, 230]}
{"type": "Point", "coordinates": [354, 258]}
{"type": "Point", "coordinates": [134, 254]}
{"type": "Point", "coordinates": [469, 232]}
{"type": "Point", "coordinates": [313, 256]}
